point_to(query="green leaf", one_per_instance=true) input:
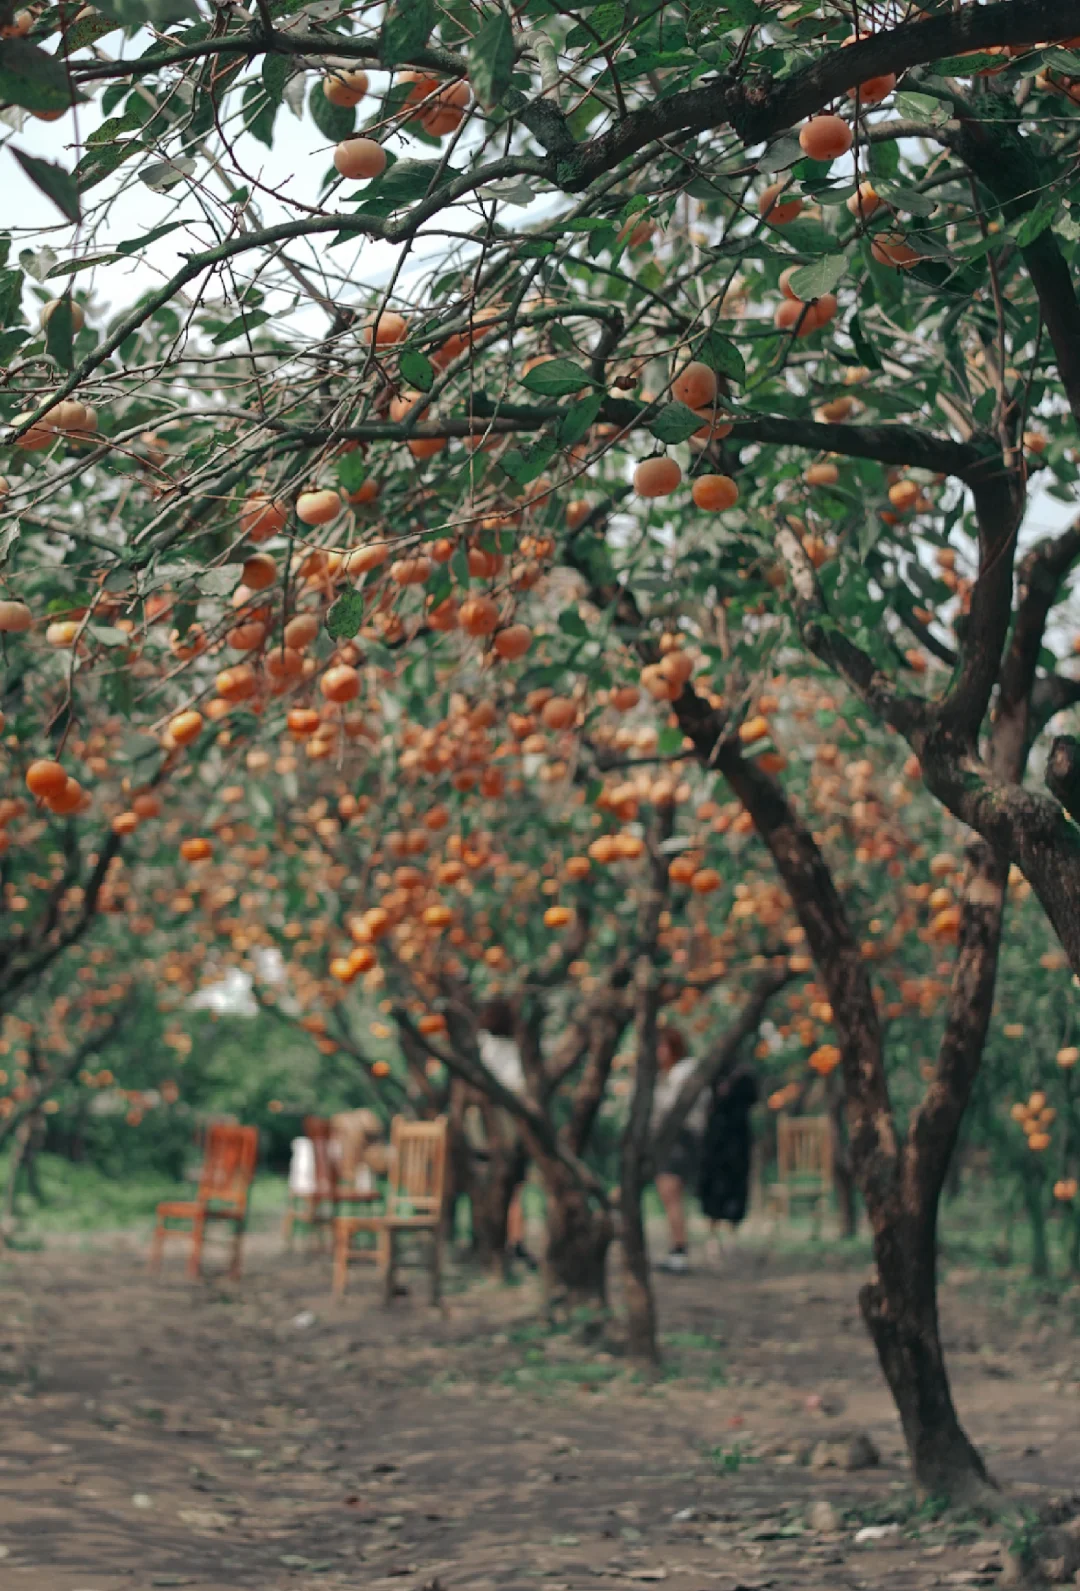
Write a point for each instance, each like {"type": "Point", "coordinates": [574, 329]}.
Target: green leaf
{"type": "Point", "coordinates": [810, 281]}
{"type": "Point", "coordinates": [136, 245]}
{"type": "Point", "coordinates": [275, 75]}
{"type": "Point", "coordinates": [675, 423]}
{"type": "Point", "coordinates": [1035, 223]}
{"type": "Point", "coordinates": [55, 183]}
{"type": "Point", "coordinates": [863, 346]}
{"type": "Point", "coordinates": [406, 30]}
{"type": "Point", "coordinates": [557, 378]}
{"type": "Point", "coordinates": [721, 355]}
{"type": "Point", "coordinates": [245, 322]}
{"type": "Point", "coordinates": [403, 183]}
{"type": "Point", "coordinates": [345, 617]}
{"type": "Point", "coordinates": [459, 567]}
{"type": "Point", "coordinates": [578, 418]}
{"type": "Point", "coordinates": [416, 368]}
{"type": "Point", "coordinates": [260, 112]}
{"type": "Point", "coordinates": [31, 78]}
{"type": "Point", "coordinates": [97, 164]}
{"type": "Point", "coordinates": [60, 334]}
{"type": "Point", "coordinates": [923, 108]}
{"type": "Point", "coordinates": [183, 617]}
{"type": "Point", "coordinates": [352, 472]}
{"type": "Point", "coordinates": [571, 623]}
{"type": "Point", "coordinates": [491, 59]}
{"type": "Point", "coordinates": [670, 741]}
{"type": "Point", "coordinates": [333, 121]}
{"type": "Point", "coordinates": [965, 65]}
{"type": "Point", "coordinates": [10, 297]}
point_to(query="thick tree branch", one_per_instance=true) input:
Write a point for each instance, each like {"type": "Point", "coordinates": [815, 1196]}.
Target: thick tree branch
{"type": "Point", "coordinates": [759, 109]}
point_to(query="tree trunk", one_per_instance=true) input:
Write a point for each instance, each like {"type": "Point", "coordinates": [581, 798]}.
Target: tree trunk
{"type": "Point", "coordinates": [578, 1239]}
{"type": "Point", "coordinates": [843, 1175]}
{"type": "Point", "coordinates": [637, 1283]}
{"type": "Point", "coordinates": [492, 1184]}
{"type": "Point", "coordinates": [900, 1310]}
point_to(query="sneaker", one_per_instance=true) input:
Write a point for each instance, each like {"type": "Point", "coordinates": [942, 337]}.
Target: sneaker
{"type": "Point", "coordinates": [676, 1262]}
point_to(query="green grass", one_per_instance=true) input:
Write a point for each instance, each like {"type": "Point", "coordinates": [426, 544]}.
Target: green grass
{"type": "Point", "coordinates": [82, 1198]}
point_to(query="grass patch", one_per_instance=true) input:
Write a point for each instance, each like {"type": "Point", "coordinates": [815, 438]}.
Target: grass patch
{"type": "Point", "coordinates": [82, 1198]}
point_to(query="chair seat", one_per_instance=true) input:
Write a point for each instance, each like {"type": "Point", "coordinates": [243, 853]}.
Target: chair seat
{"type": "Point", "coordinates": [375, 1223]}
{"type": "Point", "coordinates": [357, 1196]}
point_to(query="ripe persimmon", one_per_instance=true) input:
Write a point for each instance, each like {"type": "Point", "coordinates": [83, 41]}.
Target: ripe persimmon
{"type": "Point", "coordinates": [559, 712]}
{"type": "Point", "coordinates": [865, 201]}
{"type": "Point", "coordinates": [892, 248]}
{"type": "Point", "coordinates": [196, 849]}
{"type": "Point", "coordinates": [301, 630]}
{"type": "Point", "coordinates": [45, 777]}
{"type": "Point", "coordinates": [186, 727]}
{"type": "Point", "coordinates": [479, 616]}
{"type": "Point", "coordinates": [825, 137]}
{"type": "Point", "coordinates": [558, 916]}
{"type": "Point", "coordinates": [260, 571]}
{"type": "Point", "coordinates": [262, 517]}
{"type": "Point", "coordinates": [775, 210]}
{"type": "Point", "coordinates": [695, 385]}
{"type": "Point", "coordinates": [15, 617]}
{"type": "Point", "coordinates": [385, 329]}
{"type": "Point", "coordinates": [318, 508]}
{"type": "Point", "coordinates": [359, 159]}
{"type": "Point", "coordinates": [714, 493]}
{"type": "Point", "coordinates": [657, 477]}
{"type": "Point", "coordinates": [345, 88]}
{"type": "Point", "coordinates": [67, 800]}
{"type": "Point", "coordinates": [340, 684]}
{"type": "Point", "coordinates": [513, 642]}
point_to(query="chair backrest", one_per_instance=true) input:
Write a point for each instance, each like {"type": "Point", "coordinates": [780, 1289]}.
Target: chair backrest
{"type": "Point", "coordinates": [417, 1165]}
{"type": "Point", "coordinates": [317, 1129]}
{"type": "Point", "coordinates": [228, 1164]}
{"type": "Point", "coordinates": [804, 1148]}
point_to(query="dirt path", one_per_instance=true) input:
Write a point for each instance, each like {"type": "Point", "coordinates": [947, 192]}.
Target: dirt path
{"type": "Point", "coordinates": [158, 1435]}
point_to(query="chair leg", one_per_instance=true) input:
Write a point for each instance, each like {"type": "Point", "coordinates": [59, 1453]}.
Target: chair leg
{"type": "Point", "coordinates": [341, 1260]}
{"type": "Point", "coordinates": [436, 1265]}
{"type": "Point", "coordinates": [391, 1256]}
{"type": "Point", "coordinates": [236, 1263]}
{"type": "Point", "coordinates": [194, 1266]}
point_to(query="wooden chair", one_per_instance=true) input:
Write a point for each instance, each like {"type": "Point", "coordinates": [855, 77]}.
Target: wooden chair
{"type": "Point", "coordinates": [315, 1210]}
{"type": "Point", "coordinates": [414, 1204]}
{"type": "Point", "coordinates": [229, 1157]}
{"type": "Point", "coordinates": [804, 1165]}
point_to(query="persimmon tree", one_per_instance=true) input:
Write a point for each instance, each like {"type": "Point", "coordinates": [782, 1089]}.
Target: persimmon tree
{"type": "Point", "coordinates": [819, 260]}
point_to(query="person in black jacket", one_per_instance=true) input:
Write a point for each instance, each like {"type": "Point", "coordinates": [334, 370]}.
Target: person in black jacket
{"type": "Point", "coordinates": [724, 1178]}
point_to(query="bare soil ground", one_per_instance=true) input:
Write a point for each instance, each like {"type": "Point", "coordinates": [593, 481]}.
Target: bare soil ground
{"type": "Point", "coordinates": [158, 1434]}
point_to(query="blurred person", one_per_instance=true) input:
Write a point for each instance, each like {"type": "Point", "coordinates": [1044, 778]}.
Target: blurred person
{"type": "Point", "coordinates": [681, 1165]}
{"type": "Point", "coordinates": [726, 1149]}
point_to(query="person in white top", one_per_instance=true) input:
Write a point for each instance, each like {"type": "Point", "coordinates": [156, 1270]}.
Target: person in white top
{"type": "Point", "coordinates": [683, 1159]}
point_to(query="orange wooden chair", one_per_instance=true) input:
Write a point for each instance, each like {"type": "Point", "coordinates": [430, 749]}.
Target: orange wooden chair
{"type": "Point", "coordinates": [229, 1157]}
{"type": "Point", "coordinates": [316, 1209]}
{"type": "Point", "coordinates": [414, 1205]}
